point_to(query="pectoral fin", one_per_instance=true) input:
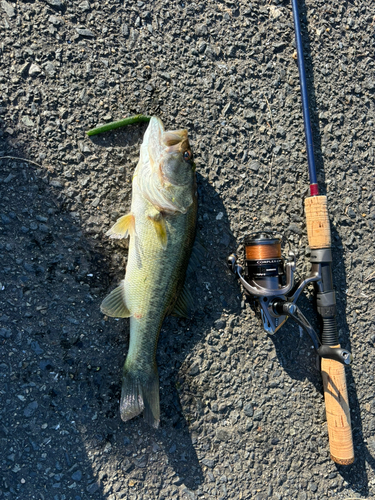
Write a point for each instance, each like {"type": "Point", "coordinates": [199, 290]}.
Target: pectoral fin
{"type": "Point", "coordinates": [184, 304]}
{"type": "Point", "coordinates": [114, 304]}
{"type": "Point", "coordinates": [160, 226]}
{"type": "Point", "coordinates": [123, 227]}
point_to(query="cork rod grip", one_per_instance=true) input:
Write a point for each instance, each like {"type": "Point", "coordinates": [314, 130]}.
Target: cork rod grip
{"type": "Point", "coordinates": [338, 412]}
{"type": "Point", "coordinates": [317, 222]}
{"type": "Point", "coordinates": [333, 372]}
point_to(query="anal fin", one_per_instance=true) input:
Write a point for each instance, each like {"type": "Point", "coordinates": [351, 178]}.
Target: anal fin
{"type": "Point", "coordinates": [123, 227]}
{"type": "Point", "coordinates": [114, 304]}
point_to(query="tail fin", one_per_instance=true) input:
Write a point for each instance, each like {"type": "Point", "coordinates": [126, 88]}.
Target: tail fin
{"type": "Point", "coordinates": [140, 392]}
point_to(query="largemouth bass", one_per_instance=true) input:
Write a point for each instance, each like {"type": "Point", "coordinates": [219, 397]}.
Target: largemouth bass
{"type": "Point", "coordinates": [161, 226]}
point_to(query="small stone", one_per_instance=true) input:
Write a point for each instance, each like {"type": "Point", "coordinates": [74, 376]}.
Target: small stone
{"type": "Point", "coordinates": [255, 166]}
{"type": "Point", "coordinates": [85, 32]}
{"type": "Point", "coordinates": [55, 3]}
{"type": "Point", "coordinates": [30, 409]}
{"type": "Point", "coordinates": [249, 115]}
{"type": "Point", "coordinates": [26, 120]}
{"type": "Point", "coordinates": [23, 71]}
{"type": "Point", "coordinates": [278, 46]}
{"type": "Point", "coordinates": [5, 219]}
{"type": "Point", "coordinates": [86, 148]}
{"type": "Point", "coordinates": [280, 131]}
{"type": "Point", "coordinates": [194, 370]}
{"type": "Point", "coordinates": [49, 69]}
{"type": "Point", "coordinates": [5, 333]}
{"type": "Point", "coordinates": [8, 178]}
{"type": "Point", "coordinates": [275, 12]}
{"type": "Point", "coordinates": [248, 410]}
{"type": "Point", "coordinates": [92, 488]}
{"type": "Point", "coordinates": [202, 47]}
{"type": "Point", "coordinates": [249, 425]}
{"type": "Point", "coordinates": [73, 321]}
{"type": "Point", "coordinates": [351, 213]}
{"type": "Point", "coordinates": [77, 476]}
{"type": "Point", "coordinates": [56, 183]}
{"type": "Point", "coordinates": [46, 364]}
{"type": "Point", "coordinates": [222, 434]}
{"type": "Point", "coordinates": [208, 462]}
{"type": "Point", "coordinates": [84, 6]}
{"type": "Point", "coordinates": [36, 348]}
{"type": "Point", "coordinates": [54, 20]}
{"type": "Point", "coordinates": [212, 51]}
{"type": "Point", "coordinates": [220, 324]}
{"type": "Point", "coordinates": [34, 70]}
{"type": "Point", "coordinates": [223, 406]}
{"type": "Point", "coordinates": [258, 415]}
{"type": "Point", "coordinates": [294, 229]}
{"type": "Point", "coordinates": [165, 76]}
{"type": "Point", "coordinates": [313, 487]}
{"type": "Point", "coordinates": [226, 109]}
{"type": "Point", "coordinates": [201, 30]}
{"type": "Point", "coordinates": [9, 9]}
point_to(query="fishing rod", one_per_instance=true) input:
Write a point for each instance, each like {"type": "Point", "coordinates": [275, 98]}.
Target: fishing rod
{"type": "Point", "coordinates": [269, 281]}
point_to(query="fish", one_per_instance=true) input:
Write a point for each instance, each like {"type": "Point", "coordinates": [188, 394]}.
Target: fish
{"type": "Point", "coordinates": [161, 226]}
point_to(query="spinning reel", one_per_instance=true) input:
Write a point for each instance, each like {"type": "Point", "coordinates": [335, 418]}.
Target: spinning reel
{"type": "Point", "coordinates": [270, 281]}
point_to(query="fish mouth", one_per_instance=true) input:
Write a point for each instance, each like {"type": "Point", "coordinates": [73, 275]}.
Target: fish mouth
{"type": "Point", "coordinates": [159, 140]}
{"type": "Point", "coordinates": [176, 141]}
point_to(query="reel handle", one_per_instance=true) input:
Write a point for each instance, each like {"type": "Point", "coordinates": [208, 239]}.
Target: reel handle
{"type": "Point", "coordinates": [333, 372]}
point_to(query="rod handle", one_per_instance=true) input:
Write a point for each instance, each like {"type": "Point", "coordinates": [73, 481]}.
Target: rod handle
{"type": "Point", "coordinates": [337, 411]}
{"type": "Point", "coordinates": [317, 222]}
{"type": "Point", "coordinates": [333, 372]}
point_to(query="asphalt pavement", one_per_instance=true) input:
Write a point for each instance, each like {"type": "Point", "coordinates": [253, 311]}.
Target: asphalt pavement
{"type": "Point", "coordinates": [242, 412]}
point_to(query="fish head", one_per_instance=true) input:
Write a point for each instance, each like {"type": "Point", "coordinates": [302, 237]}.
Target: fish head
{"type": "Point", "coordinates": [168, 176]}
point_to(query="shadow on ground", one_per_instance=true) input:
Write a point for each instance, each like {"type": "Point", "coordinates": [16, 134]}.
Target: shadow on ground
{"type": "Point", "coordinates": [50, 278]}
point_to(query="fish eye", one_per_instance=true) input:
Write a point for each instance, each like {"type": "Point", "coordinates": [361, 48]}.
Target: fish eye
{"type": "Point", "coordinates": [187, 155]}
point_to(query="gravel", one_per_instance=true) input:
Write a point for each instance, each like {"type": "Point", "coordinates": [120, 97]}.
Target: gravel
{"type": "Point", "coordinates": [242, 413]}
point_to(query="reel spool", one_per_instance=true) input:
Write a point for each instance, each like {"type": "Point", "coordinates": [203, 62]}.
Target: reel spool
{"type": "Point", "coordinates": [264, 264]}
